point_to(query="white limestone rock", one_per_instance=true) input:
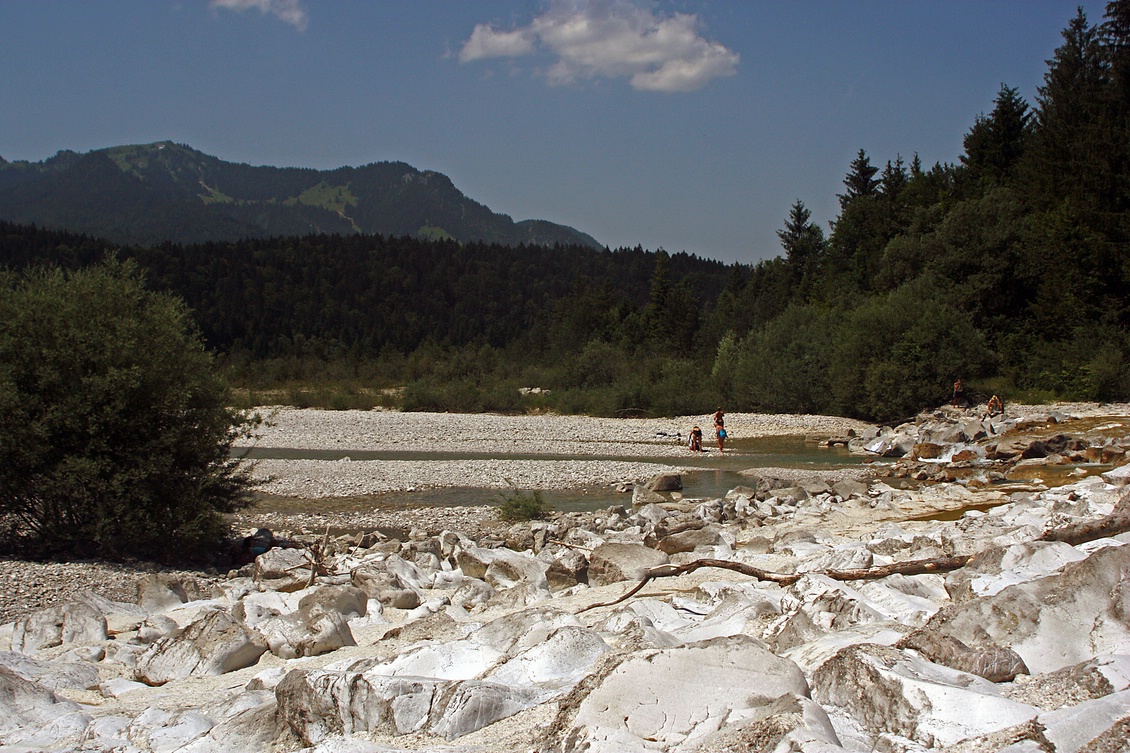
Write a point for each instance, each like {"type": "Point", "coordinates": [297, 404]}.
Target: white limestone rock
{"type": "Point", "coordinates": [27, 704]}
{"type": "Point", "coordinates": [888, 690]}
{"type": "Point", "coordinates": [612, 563]}
{"type": "Point", "coordinates": [282, 569]}
{"type": "Point", "coordinates": [1053, 621]}
{"type": "Point", "coordinates": [56, 675]}
{"type": "Point", "coordinates": [665, 699]}
{"type": "Point", "coordinates": [214, 644]}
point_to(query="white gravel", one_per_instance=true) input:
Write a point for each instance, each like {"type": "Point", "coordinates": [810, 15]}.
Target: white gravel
{"type": "Point", "coordinates": [504, 442]}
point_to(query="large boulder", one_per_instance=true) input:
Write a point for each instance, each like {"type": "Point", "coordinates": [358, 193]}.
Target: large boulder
{"type": "Point", "coordinates": [316, 704]}
{"type": "Point", "coordinates": [24, 703]}
{"type": "Point", "coordinates": [659, 699]}
{"type": "Point", "coordinates": [612, 563]}
{"type": "Point", "coordinates": [57, 675]}
{"type": "Point", "coordinates": [892, 691]}
{"type": "Point", "coordinates": [283, 569]}
{"type": "Point", "coordinates": [75, 622]}
{"type": "Point", "coordinates": [665, 482]}
{"type": "Point", "coordinates": [509, 568]}
{"type": "Point", "coordinates": [212, 645]}
{"type": "Point", "coordinates": [348, 601]}
{"type": "Point", "coordinates": [993, 663]}
{"type": "Point", "coordinates": [1054, 621]}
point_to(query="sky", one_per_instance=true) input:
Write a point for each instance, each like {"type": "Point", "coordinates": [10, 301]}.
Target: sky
{"type": "Point", "coordinates": [687, 125]}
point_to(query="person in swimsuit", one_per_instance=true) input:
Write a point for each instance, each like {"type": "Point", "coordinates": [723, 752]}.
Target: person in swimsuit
{"type": "Point", "coordinates": [720, 428]}
{"type": "Point", "coordinates": [696, 440]}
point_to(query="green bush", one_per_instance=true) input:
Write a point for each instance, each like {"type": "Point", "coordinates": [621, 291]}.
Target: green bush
{"type": "Point", "coordinates": [117, 428]}
{"type": "Point", "coordinates": [516, 505]}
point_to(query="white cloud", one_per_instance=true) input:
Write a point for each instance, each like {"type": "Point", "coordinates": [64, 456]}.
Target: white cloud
{"type": "Point", "coordinates": [290, 11]}
{"type": "Point", "coordinates": [485, 42]}
{"type": "Point", "coordinates": [611, 39]}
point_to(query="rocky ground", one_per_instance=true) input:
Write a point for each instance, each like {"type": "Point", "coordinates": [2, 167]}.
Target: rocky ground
{"type": "Point", "coordinates": [460, 634]}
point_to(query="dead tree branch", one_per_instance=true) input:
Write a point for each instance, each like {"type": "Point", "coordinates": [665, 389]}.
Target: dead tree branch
{"type": "Point", "coordinates": [912, 567]}
{"type": "Point", "coordinates": [1117, 522]}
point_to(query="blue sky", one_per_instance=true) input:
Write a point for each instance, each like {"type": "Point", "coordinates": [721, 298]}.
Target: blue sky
{"type": "Point", "coordinates": [691, 125]}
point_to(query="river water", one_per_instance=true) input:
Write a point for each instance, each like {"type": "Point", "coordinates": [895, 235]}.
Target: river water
{"type": "Point", "coordinates": [709, 474]}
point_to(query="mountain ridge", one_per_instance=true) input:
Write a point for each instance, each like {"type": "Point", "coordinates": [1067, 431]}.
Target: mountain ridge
{"type": "Point", "coordinates": [164, 191]}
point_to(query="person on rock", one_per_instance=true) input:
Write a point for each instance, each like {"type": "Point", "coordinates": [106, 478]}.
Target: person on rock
{"type": "Point", "coordinates": [995, 407]}
{"type": "Point", "coordinates": [958, 399]}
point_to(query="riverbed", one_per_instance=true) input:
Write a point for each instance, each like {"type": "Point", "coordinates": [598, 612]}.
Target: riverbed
{"type": "Point", "coordinates": [446, 459]}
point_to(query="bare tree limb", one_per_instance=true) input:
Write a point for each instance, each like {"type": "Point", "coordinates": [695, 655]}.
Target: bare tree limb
{"type": "Point", "coordinates": [912, 567]}
{"type": "Point", "coordinates": [1117, 522]}
{"type": "Point", "coordinates": [1079, 533]}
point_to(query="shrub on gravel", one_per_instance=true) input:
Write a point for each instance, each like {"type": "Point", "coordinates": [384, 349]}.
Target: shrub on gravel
{"type": "Point", "coordinates": [117, 428]}
{"type": "Point", "coordinates": [518, 505]}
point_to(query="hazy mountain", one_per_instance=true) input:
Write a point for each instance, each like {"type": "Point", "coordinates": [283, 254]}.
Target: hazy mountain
{"type": "Point", "coordinates": [170, 192]}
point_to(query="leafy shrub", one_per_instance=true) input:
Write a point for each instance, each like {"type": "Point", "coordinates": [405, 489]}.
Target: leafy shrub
{"type": "Point", "coordinates": [117, 428]}
{"type": "Point", "coordinates": [516, 505]}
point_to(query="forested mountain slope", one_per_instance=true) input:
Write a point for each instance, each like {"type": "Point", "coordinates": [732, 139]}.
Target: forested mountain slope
{"type": "Point", "coordinates": [160, 192]}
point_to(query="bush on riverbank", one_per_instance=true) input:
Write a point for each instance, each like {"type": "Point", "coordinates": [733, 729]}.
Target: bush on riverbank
{"type": "Point", "coordinates": [117, 428]}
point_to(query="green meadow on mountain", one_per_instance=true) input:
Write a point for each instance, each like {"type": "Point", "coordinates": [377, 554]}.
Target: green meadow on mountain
{"type": "Point", "coordinates": [151, 193]}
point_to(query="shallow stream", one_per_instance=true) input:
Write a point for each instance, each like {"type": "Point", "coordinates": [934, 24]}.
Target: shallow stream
{"type": "Point", "coordinates": [709, 474]}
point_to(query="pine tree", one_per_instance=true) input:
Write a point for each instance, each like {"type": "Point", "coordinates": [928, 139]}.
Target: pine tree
{"type": "Point", "coordinates": [860, 181]}
{"type": "Point", "coordinates": [996, 143]}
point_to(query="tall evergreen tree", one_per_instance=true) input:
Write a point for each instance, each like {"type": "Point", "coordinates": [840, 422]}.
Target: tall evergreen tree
{"type": "Point", "coordinates": [996, 143]}
{"type": "Point", "coordinates": [860, 181]}
{"type": "Point", "coordinates": [803, 242]}
{"type": "Point", "coordinates": [1065, 160]}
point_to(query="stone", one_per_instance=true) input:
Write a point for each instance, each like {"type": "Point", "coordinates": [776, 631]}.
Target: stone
{"type": "Point", "coordinates": [40, 629]}
{"type": "Point", "coordinates": [1054, 621]}
{"type": "Point", "coordinates": [661, 698]}
{"type": "Point", "coordinates": [644, 497]}
{"type": "Point", "coordinates": [509, 568]}
{"type": "Point", "coordinates": [557, 663]}
{"type": "Point", "coordinates": [27, 703]}
{"type": "Point", "coordinates": [612, 563]}
{"type": "Point", "coordinates": [317, 704]}
{"type": "Point", "coordinates": [82, 623]}
{"type": "Point", "coordinates": [1119, 476]}
{"type": "Point", "coordinates": [472, 592]}
{"type": "Point", "coordinates": [892, 691]}
{"type": "Point", "coordinates": [348, 601]}
{"type": "Point", "coordinates": [688, 541]}
{"type": "Point", "coordinates": [791, 722]}
{"type": "Point", "coordinates": [56, 675]}
{"type": "Point", "coordinates": [282, 569]}
{"type": "Point", "coordinates": [473, 704]}
{"type": "Point", "coordinates": [993, 663]}
{"type": "Point", "coordinates": [212, 645]}
{"type": "Point", "coordinates": [665, 482]}
{"type": "Point", "coordinates": [157, 592]}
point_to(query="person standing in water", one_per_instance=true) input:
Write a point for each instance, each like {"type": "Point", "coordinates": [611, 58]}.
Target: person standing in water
{"type": "Point", "coordinates": [720, 427]}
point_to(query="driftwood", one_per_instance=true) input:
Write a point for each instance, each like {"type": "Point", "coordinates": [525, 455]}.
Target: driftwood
{"type": "Point", "coordinates": [1117, 522]}
{"type": "Point", "coordinates": [1079, 533]}
{"type": "Point", "coordinates": [912, 567]}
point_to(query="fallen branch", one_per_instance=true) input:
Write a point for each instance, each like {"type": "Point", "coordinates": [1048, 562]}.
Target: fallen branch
{"type": "Point", "coordinates": [912, 567]}
{"type": "Point", "coordinates": [1117, 522]}
{"type": "Point", "coordinates": [1079, 533]}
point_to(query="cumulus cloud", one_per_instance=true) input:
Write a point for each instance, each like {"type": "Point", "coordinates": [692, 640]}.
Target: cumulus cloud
{"type": "Point", "coordinates": [611, 39]}
{"type": "Point", "coordinates": [290, 11]}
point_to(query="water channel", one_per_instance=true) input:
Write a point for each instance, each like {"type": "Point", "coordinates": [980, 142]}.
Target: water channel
{"type": "Point", "coordinates": [709, 474]}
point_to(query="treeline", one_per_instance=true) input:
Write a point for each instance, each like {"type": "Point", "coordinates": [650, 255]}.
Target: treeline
{"type": "Point", "coordinates": [1008, 268]}
{"type": "Point", "coordinates": [461, 326]}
